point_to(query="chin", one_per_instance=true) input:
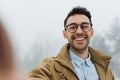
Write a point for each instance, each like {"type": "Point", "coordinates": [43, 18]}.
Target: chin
{"type": "Point", "coordinates": [80, 47]}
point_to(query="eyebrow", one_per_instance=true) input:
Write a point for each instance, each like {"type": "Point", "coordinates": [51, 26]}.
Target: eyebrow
{"type": "Point", "coordinates": [78, 24]}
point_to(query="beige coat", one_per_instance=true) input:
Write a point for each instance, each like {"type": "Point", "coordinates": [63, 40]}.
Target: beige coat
{"type": "Point", "coordinates": [61, 68]}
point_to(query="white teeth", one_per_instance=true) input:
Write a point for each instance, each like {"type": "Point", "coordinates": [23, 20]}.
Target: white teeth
{"type": "Point", "coordinates": [79, 38]}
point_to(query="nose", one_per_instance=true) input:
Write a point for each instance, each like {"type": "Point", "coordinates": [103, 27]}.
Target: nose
{"type": "Point", "coordinates": [79, 30]}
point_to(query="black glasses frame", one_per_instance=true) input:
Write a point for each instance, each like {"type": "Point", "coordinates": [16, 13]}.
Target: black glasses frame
{"type": "Point", "coordinates": [85, 27]}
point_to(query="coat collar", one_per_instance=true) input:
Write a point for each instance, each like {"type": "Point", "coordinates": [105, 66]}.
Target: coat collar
{"type": "Point", "coordinates": [99, 58]}
{"type": "Point", "coordinates": [96, 56]}
{"type": "Point", "coordinates": [63, 57]}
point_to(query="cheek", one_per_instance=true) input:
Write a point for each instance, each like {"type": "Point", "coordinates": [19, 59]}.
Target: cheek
{"type": "Point", "coordinates": [68, 36]}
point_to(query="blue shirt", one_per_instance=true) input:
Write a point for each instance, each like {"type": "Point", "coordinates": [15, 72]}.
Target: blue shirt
{"type": "Point", "coordinates": [85, 69]}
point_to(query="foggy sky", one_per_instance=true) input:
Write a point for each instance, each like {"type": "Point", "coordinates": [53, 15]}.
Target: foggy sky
{"type": "Point", "coordinates": [28, 20]}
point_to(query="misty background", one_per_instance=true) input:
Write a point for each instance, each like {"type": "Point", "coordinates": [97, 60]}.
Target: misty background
{"type": "Point", "coordinates": [35, 28]}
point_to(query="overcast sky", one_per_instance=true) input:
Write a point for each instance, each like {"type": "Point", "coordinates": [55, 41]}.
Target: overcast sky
{"type": "Point", "coordinates": [26, 20]}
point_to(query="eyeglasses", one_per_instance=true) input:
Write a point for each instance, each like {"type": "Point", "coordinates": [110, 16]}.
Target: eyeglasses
{"type": "Point", "coordinates": [85, 27]}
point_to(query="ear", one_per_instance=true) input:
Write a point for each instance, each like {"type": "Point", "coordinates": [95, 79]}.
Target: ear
{"type": "Point", "coordinates": [92, 32]}
{"type": "Point", "coordinates": [65, 34]}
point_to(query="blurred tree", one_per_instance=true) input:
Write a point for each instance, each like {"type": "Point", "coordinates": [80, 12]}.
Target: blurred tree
{"type": "Point", "coordinates": [113, 36]}
{"type": "Point", "coordinates": [42, 48]}
{"type": "Point", "coordinates": [33, 57]}
{"type": "Point", "coordinates": [99, 43]}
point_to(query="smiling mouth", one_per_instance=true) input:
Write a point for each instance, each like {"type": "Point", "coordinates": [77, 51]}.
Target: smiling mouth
{"type": "Point", "coordinates": [79, 39]}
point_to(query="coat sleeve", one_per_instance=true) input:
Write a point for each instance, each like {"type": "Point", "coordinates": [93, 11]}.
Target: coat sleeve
{"type": "Point", "coordinates": [42, 71]}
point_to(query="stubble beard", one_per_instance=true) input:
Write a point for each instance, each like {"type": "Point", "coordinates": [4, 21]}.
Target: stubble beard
{"type": "Point", "coordinates": [79, 50]}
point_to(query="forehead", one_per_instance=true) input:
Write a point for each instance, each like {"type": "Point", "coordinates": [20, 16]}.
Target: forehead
{"type": "Point", "coordinates": [77, 18]}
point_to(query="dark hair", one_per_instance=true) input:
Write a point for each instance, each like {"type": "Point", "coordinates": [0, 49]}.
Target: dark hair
{"type": "Point", "coordinates": [78, 10]}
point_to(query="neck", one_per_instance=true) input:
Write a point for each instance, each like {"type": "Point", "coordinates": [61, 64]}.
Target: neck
{"type": "Point", "coordinates": [81, 53]}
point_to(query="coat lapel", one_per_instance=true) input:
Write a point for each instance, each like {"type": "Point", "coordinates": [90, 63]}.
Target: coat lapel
{"type": "Point", "coordinates": [64, 60]}
{"type": "Point", "coordinates": [101, 62]}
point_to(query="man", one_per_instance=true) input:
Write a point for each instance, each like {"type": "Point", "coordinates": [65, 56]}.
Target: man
{"type": "Point", "coordinates": [76, 61]}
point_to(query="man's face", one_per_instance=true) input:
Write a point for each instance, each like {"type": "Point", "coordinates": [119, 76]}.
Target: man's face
{"type": "Point", "coordinates": [78, 40]}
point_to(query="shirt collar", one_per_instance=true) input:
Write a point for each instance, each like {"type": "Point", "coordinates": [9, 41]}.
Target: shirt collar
{"type": "Point", "coordinates": [79, 61]}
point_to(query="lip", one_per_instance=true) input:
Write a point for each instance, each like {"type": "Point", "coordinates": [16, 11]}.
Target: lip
{"type": "Point", "coordinates": [80, 39]}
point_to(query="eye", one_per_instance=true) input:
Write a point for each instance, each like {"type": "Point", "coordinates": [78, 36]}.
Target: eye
{"type": "Point", "coordinates": [72, 27]}
{"type": "Point", "coordinates": [85, 26]}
